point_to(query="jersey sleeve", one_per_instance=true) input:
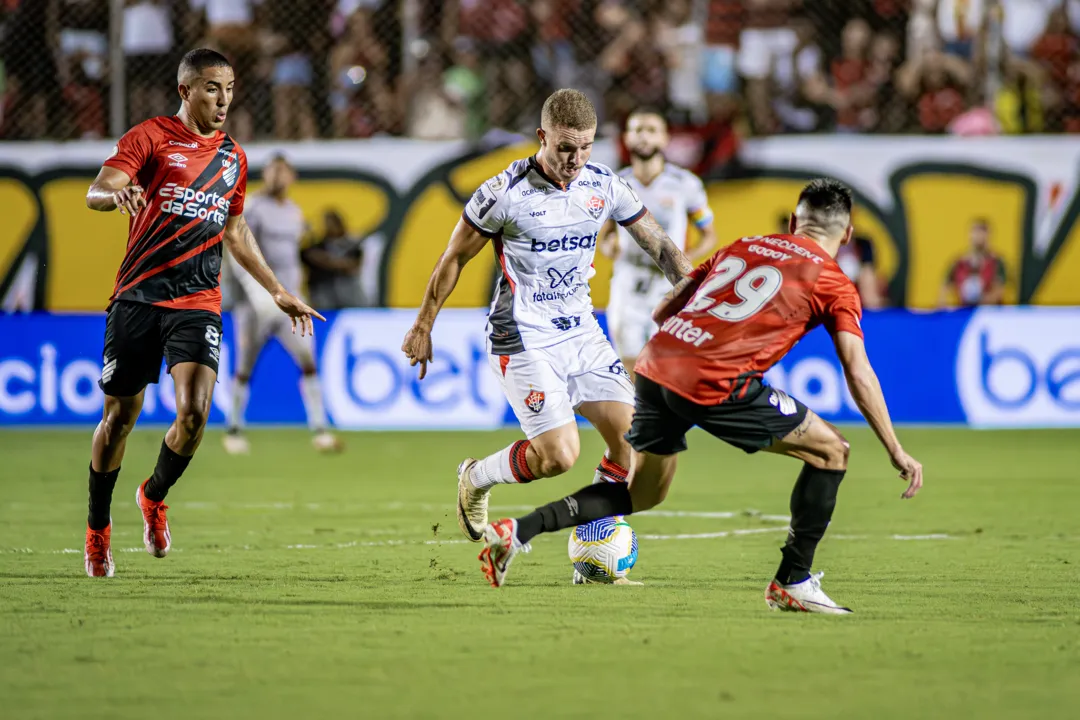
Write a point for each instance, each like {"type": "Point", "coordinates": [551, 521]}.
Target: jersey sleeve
{"type": "Point", "coordinates": [697, 202]}
{"type": "Point", "coordinates": [626, 206]}
{"type": "Point", "coordinates": [132, 152]}
{"type": "Point", "coordinates": [236, 204]}
{"type": "Point", "coordinates": [837, 302]}
{"type": "Point", "coordinates": [486, 211]}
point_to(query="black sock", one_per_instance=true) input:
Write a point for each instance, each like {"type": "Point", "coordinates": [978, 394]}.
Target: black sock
{"type": "Point", "coordinates": [591, 502]}
{"type": "Point", "coordinates": [812, 503]}
{"type": "Point", "coordinates": [168, 470]}
{"type": "Point", "coordinates": [101, 489]}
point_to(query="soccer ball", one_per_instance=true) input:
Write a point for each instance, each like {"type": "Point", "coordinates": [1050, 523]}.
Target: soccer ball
{"type": "Point", "coordinates": [603, 551]}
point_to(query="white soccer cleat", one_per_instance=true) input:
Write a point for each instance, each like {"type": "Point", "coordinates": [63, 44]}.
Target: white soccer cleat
{"type": "Point", "coordinates": [327, 442]}
{"type": "Point", "coordinates": [501, 544]}
{"type": "Point", "coordinates": [472, 504]}
{"type": "Point", "coordinates": [806, 596]}
{"type": "Point", "coordinates": [235, 443]}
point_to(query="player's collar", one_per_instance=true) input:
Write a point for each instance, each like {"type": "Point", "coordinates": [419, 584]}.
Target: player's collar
{"type": "Point", "coordinates": [535, 165]}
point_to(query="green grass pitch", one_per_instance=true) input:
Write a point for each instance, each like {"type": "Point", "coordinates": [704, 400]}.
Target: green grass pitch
{"type": "Point", "coordinates": [308, 586]}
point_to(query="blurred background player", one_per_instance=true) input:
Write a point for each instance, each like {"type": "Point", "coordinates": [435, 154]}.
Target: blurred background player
{"type": "Point", "coordinates": [279, 224]}
{"type": "Point", "coordinates": [722, 328]}
{"type": "Point", "coordinates": [676, 197]}
{"type": "Point", "coordinates": [167, 298]}
{"type": "Point", "coordinates": [543, 216]}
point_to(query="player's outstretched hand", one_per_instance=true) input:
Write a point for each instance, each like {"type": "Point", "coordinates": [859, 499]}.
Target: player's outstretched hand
{"type": "Point", "coordinates": [298, 310]}
{"type": "Point", "coordinates": [417, 347]}
{"type": "Point", "coordinates": [910, 471]}
{"type": "Point", "coordinates": [130, 200]}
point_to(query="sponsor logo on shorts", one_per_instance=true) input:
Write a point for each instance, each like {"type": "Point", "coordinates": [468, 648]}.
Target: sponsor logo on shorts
{"type": "Point", "coordinates": [782, 402]}
{"type": "Point", "coordinates": [535, 401]}
{"type": "Point", "coordinates": [108, 370]}
{"type": "Point", "coordinates": [595, 206]}
{"type": "Point", "coordinates": [617, 368]}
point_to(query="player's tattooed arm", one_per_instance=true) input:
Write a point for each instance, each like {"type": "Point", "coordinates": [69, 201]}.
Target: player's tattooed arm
{"type": "Point", "coordinates": [648, 234]}
{"type": "Point", "coordinates": [113, 189]}
{"type": "Point", "coordinates": [465, 243]}
{"type": "Point", "coordinates": [243, 246]}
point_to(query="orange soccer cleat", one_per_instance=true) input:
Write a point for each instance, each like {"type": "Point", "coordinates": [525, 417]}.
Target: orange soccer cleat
{"type": "Point", "coordinates": [156, 536]}
{"type": "Point", "coordinates": [98, 554]}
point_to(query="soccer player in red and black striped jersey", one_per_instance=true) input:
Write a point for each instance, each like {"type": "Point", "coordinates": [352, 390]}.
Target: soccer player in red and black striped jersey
{"type": "Point", "coordinates": [181, 181]}
{"type": "Point", "coordinates": [721, 328]}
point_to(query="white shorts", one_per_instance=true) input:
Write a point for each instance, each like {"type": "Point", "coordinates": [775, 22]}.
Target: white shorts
{"type": "Point", "coordinates": [546, 385]}
{"type": "Point", "coordinates": [256, 318]}
{"type": "Point", "coordinates": [635, 293]}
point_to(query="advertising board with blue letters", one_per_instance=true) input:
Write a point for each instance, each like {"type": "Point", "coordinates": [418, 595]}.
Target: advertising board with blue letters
{"type": "Point", "coordinates": [991, 367]}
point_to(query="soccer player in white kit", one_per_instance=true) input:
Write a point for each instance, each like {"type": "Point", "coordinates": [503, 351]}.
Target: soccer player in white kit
{"type": "Point", "coordinates": [676, 197]}
{"type": "Point", "coordinates": [279, 224]}
{"type": "Point", "coordinates": [542, 216]}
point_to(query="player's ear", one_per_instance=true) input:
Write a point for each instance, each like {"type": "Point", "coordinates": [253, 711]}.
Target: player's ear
{"type": "Point", "coordinates": [848, 235]}
{"type": "Point", "coordinates": [540, 134]}
{"type": "Point", "coordinates": [791, 224]}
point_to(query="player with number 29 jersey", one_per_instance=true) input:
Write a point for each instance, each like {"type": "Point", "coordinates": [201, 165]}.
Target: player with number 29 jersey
{"type": "Point", "coordinates": [758, 297]}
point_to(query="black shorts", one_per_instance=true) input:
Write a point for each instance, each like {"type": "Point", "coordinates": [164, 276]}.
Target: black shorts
{"type": "Point", "coordinates": [138, 336]}
{"type": "Point", "coordinates": [754, 421]}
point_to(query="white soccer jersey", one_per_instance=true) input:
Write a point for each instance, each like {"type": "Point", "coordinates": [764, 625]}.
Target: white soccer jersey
{"type": "Point", "coordinates": [544, 238]}
{"type": "Point", "coordinates": [279, 228]}
{"type": "Point", "coordinates": [673, 197]}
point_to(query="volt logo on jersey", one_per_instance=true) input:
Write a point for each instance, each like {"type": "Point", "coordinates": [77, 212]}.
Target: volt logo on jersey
{"type": "Point", "coordinates": [595, 206]}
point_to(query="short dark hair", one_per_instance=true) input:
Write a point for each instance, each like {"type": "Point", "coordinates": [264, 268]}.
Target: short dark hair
{"type": "Point", "coordinates": [828, 197]}
{"type": "Point", "coordinates": [279, 157]}
{"type": "Point", "coordinates": [199, 59]}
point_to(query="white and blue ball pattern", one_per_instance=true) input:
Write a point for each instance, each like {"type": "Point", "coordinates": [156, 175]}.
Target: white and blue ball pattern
{"type": "Point", "coordinates": [603, 551]}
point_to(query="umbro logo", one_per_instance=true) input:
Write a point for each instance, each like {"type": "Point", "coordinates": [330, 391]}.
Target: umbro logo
{"type": "Point", "coordinates": [177, 157]}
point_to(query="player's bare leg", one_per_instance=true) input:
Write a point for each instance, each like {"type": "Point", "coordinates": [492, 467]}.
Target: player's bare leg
{"type": "Point", "coordinates": [611, 420]}
{"type": "Point", "coordinates": [107, 452]}
{"type": "Point", "coordinates": [824, 453]}
{"type": "Point", "coordinates": [311, 392]}
{"type": "Point", "coordinates": [549, 454]}
{"type": "Point", "coordinates": [194, 390]}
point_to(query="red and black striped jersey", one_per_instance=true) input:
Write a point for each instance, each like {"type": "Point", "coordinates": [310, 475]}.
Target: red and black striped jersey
{"type": "Point", "coordinates": [757, 298]}
{"type": "Point", "coordinates": [192, 185]}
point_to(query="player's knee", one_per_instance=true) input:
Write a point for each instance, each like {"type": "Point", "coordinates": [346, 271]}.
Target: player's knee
{"type": "Point", "coordinates": [646, 497]}
{"type": "Point", "coordinates": [118, 420]}
{"type": "Point", "coordinates": [557, 459]}
{"type": "Point", "coordinates": [836, 452]}
{"type": "Point", "coordinates": [191, 417]}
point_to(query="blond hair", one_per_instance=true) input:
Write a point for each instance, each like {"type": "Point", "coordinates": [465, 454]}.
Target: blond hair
{"type": "Point", "coordinates": [568, 108]}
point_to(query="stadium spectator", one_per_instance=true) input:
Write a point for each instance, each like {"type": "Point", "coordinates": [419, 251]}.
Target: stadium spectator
{"type": "Point", "coordinates": [937, 83]}
{"type": "Point", "coordinates": [362, 101]}
{"type": "Point", "coordinates": [849, 75]}
{"type": "Point", "coordinates": [960, 23]}
{"type": "Point", "coordinates": [232, 31]}
{"type": "Point", "coordinates": [978, 277]}
{"type": "Point", "coordinates": [722, 28]}
{"type": "Point", "coordinates": [681, 38]}
{"type": "Point", "coordinates": [333, 264]}
{"type": "Point", "coordinates": [886, 110]}
{"type": "Point", "coordinates": [856, 259]}
{"type": "Point", "coordinates": [799, 86]}
{"type": "Point", "coordinates": [1019, 104]}
{"type": "Point", "coordinates": [32, 97]}
{"type": "Point", "coordinates": [767, 43]}
{"type": "Point", "coordinates": [292, 43]}
{"type": "Point", "coordinates": [148, 41]}
{"type": "Point", "coordinates": [1024, 21]}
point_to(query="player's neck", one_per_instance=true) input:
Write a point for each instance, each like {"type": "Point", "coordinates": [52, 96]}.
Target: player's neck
{"type": "Point", "coordinates": [820, 237]}
{"type": "Point", "coordinates": [187, 121]}
{"type": "Point", "coordinates": [647, 170]}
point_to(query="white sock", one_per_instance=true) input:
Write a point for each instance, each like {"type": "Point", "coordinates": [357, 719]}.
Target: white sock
{"type": "Point", "coordinates": [508, 466]}
{"type": "Point", "coordinates": [240, 393]}
{"type": "Point", "coordinates": [311, 392]}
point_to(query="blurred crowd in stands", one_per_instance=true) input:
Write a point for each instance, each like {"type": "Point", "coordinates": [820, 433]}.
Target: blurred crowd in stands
{"type": "Point", "coordinates": [440, 69]}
